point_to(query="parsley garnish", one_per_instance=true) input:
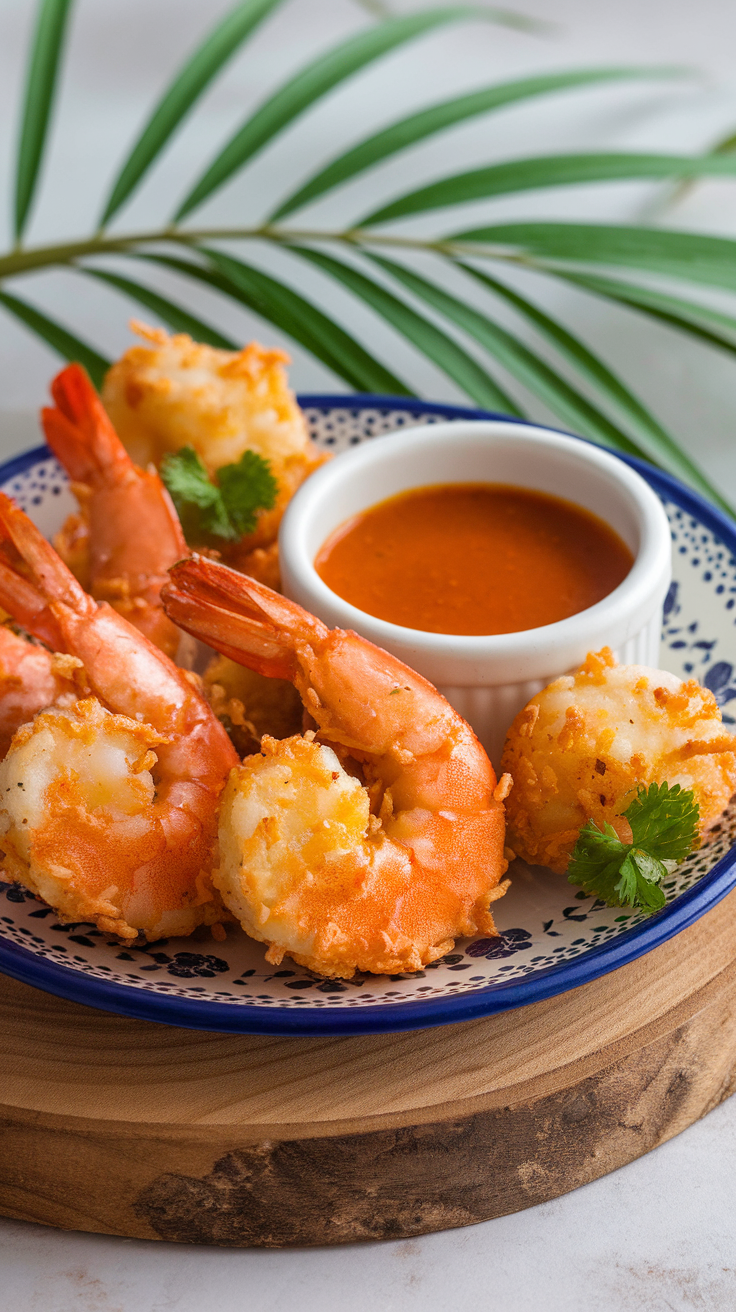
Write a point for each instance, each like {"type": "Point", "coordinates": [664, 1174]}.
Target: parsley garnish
{"type": "Point", "coordinates": [225, 509]}
{"type": "Point", "coordinates": [664, 827]}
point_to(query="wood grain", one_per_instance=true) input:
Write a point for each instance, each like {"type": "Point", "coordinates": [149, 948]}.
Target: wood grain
{"type": "Point", "coordinates": [124, 1127]}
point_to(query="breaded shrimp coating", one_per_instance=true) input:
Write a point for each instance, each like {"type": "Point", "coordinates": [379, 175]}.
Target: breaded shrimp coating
{"type": "Point", "coordinates": [374, 849]}
{"type": "Point", "coordinates": [251, 705]}
{"type": "Point", "coordinates": [579, 749]}
{"type": "Point", "coordinates": [174, 392]}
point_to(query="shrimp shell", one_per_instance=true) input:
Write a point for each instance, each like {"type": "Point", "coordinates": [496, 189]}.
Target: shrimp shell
{"type": "Point", "coordinates": [145, 727]}
{"type": "Point", "coordinates": [127, 533]}
{"type": "Point", "coordinates": [373, 845]}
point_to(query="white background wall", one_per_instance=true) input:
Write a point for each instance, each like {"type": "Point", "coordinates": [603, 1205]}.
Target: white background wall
{"type": "Point", "coordinates": [657, 1236]}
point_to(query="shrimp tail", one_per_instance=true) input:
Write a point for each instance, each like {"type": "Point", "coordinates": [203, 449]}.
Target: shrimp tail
{"type": "Point", "coordinates": [238, 616]}
{"type": "Point", "coordinates": [33, 578]}
{"type": "Point", "coordinates": [79, 431]}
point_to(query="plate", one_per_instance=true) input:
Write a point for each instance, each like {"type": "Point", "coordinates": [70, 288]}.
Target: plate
{"type": "Point", "coordinates": [552, 938]}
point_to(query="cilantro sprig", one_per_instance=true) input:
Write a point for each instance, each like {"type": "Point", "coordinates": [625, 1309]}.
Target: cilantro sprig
{"type": "Point", "coordinates": [225, 509]}
{"type": "Point", "coordinates": [664, 828]}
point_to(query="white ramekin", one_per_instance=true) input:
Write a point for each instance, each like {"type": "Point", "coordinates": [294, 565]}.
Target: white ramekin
{"type": "Point", "coordinates": [488, 679]}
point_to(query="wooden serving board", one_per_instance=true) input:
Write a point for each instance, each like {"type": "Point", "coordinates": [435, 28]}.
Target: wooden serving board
{"type": "Point", "coordinates": [124, 1127]}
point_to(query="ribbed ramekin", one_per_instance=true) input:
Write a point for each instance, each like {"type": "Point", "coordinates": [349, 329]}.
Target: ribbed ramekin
{"type": "Point", "coordinates": [489, 678]}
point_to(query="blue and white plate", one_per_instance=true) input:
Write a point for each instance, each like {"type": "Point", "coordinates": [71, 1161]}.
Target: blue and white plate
{"type": "Point", "coordinates": [552, 939]}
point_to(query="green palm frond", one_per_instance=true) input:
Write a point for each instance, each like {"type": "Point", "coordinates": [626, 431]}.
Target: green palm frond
{"type": "Point", "coordinates": [710, 325]}
{"type": "Point", "coordinates": [725, 145]}
{"type": "Point", "coordinates": [442, 350]}
{"type": "Point", "coordinates": [175, 316]}
{"type": "Point", "coordinates": [180, 98]}
{"type": "Point", "coordinates": [455, 318]}
{"type": "Point", "coordinates": [309, 85]}
{"type": "Point", "coordinates": [650, 434]}
{"type": "Point", "coordinates": [43, 68]}
{"type": "Point", "coordinates": [548, 171]}
{"type": "Point", "coordinates": [380, 146]}
{"type": "Point", "coordinates": [65, 343]}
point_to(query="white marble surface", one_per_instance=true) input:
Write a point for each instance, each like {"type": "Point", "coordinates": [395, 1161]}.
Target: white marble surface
{"type": "Point", "coordinates": [658, 1235]}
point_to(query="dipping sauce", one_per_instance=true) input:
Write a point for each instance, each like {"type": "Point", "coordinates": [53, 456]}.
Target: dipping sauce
{"type": "Point", "coordinates": [473, 558]}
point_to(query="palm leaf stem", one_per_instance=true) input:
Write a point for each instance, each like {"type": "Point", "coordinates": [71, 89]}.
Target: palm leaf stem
{"type": "Point", "coordinates": [692, 257]}
{"type": "Point", "coordinates": [17, 262]}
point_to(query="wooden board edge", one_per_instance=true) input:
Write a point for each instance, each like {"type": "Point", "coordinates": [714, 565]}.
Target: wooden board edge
{"type": "Point", "coordinates": [382, 1183]}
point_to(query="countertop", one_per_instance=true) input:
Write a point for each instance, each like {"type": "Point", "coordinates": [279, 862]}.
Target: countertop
{"type": "Point", "coordinates": [659, 1234]}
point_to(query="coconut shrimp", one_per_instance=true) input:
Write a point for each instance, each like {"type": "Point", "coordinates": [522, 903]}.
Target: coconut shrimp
{"type": "Point", "coordinates": [174, 392]}
{"type": "Point", "coordinates": [371, 842]}
{"type": "Point", "coordinates": [108, 806]}
{"type": "Point", "coordinates": [128, 533]}
{"type": "Point", "coordinates": [31, 678]}
{"type": "Point", "coordinates": [579, 749]}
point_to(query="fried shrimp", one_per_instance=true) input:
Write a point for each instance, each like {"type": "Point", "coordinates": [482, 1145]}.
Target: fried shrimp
{"type": "Point", "coordinates": [108, 807]}
{"type": "Point", "coordinates": [31, 678]}
{"type": "Point", "coordinates": [127, 533]}
{"type": "Point", "coordinates": [372, 843]}
{"type": "Point", "coordinates": [579, 749]}
{"type": "Point", "coordinates": [174, 392]}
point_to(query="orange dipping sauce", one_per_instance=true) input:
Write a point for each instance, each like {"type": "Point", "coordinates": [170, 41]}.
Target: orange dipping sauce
{"type": "Point", "coordinates": [473, 558]}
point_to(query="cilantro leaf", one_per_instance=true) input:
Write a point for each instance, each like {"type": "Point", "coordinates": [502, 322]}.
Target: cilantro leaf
{"type": "Point", "coordinates": [664, 827]}
{"type": "Point", "coordinates": [198, 501]}
{"type": "Point", "coordinates": [641, 875]}
{"type": "Point", "coordinates": [596, 861]}
{"type": "Point", "coordinates": [226, 509]}
{"type": "Point", "coordinates": [664, 820]}
{"type": "Point", "coordinates": [246, 487]}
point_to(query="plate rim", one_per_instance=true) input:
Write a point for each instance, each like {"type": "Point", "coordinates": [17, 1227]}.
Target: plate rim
{"type": "Point", "coordinates": [236, 1018]}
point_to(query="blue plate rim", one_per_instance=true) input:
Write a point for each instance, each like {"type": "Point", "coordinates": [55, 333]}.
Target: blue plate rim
{"type": "Point", "coordinates": [234, 1018]}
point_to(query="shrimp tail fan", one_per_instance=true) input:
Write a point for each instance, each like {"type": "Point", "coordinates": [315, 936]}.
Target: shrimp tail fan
{"type": "Point", "coordinates": [237, 616]}
{"type": "Point", "coordinates": [78, 429]}
{"type": "Point", "coordinates": [33, 577]}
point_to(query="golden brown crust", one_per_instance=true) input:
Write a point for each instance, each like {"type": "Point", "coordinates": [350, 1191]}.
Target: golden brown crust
{"type": "Point", "coordinates": [580, 748]}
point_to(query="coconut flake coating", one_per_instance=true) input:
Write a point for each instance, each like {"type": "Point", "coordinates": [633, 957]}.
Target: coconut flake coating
{"type": "Point", "coordinates": [580, 748]}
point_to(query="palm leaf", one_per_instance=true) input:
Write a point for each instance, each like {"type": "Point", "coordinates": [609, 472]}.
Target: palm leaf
{"type": "Point", "coordinates": [724, 146]}
{"type": "Point", "coordinates": [294, 315]}
{"type": "Point", "coordinates": [577, 253]}
{"type": "Point", "coordinates": [444, 351]}
{"type": "Point", "coordinates": [546, 171]}
{"type": "Point", "coordinates": [174, 315]}
{"type": "Point", "coordinates": [657, 443]}
{"type": "Point", "coordinates": [58, 338]}
{"type": "Point", "coordinates": [698, 320]}
{"type": "Point", "coordinates": [376, 8]}
{"type": "Point", "coordinates": [438, 118]}
{"type": "Point", "coordinates": [309, 85]}
{"type": "Point", "coordinates": [41, 80]}
{"type": "Point", "coordinates": [686, 255]}
{"type": "Point", "coordinates": [183, 93]}
{"type": "Point", "coordinates": [513, 355]}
